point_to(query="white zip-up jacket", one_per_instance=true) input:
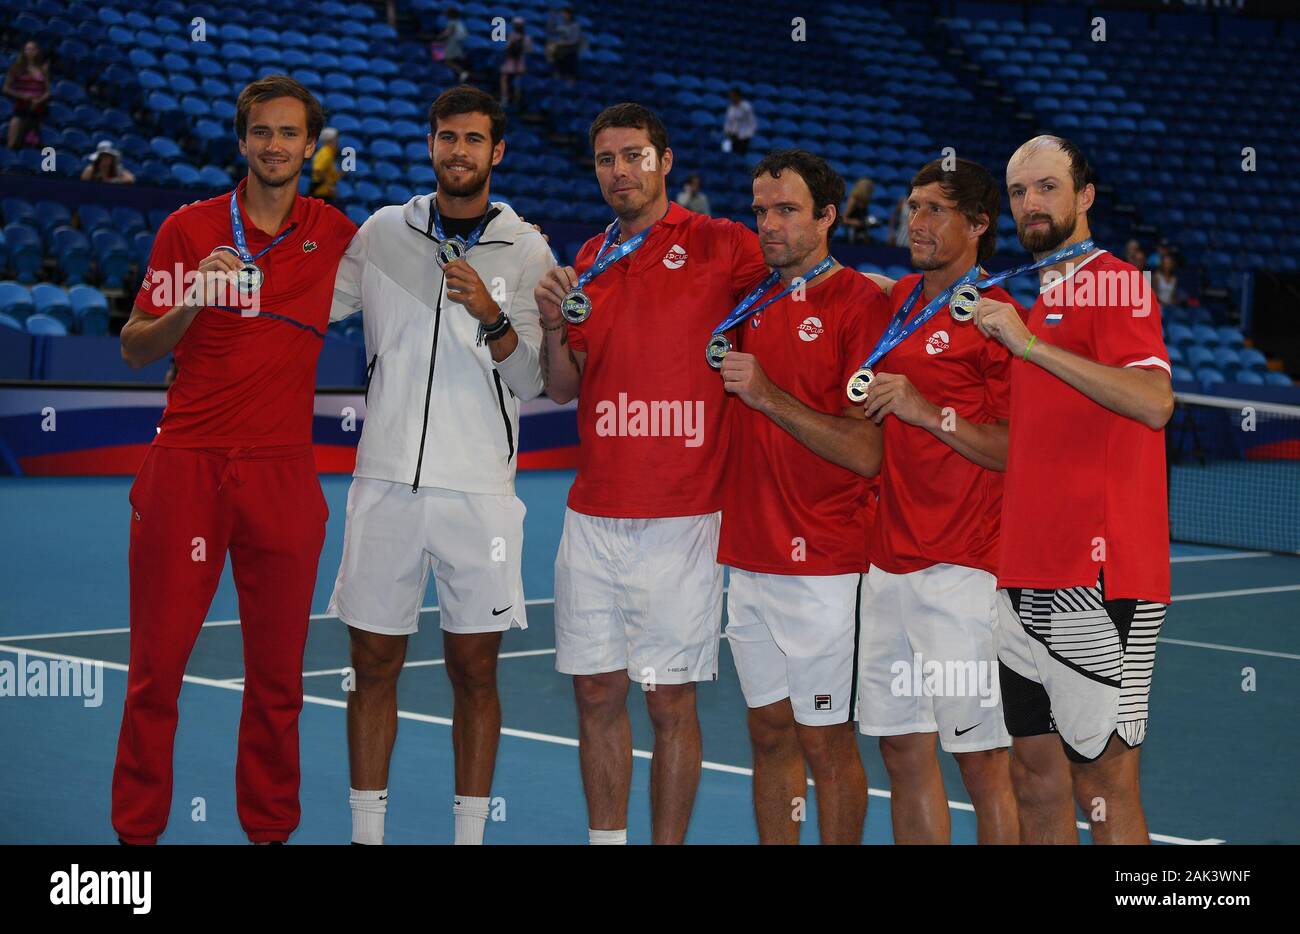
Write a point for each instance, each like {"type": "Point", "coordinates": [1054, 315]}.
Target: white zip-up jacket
{"type": "Point", "coordinates": [439, 411]}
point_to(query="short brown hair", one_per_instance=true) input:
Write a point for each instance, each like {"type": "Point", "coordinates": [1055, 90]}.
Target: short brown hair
{"type": "Point", "coordinates": [271, 87]}
{"type": "Point", "coordinates": [467, 99]}
{"type": "Point", "coordinates": [825, 184]}
{"type": "Point", "coordinates": [975, 192]}
{"type": "Point", "coordinates": [631, 116]}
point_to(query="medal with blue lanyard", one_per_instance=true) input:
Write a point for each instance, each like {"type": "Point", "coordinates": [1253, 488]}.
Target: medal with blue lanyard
{"type": "Point", "coordinates": [451, 249]}
{"type": "Point", "coordinates": [897, 332]}
{"type": "Point", "coordinates": [719, 346]}
{"type": "Point", "coordinates": [576, 306]}
{"type": "Point", "coordinates": [250, 276]}
{"type": "Point", "coordinates": [962, 297]}
{"type": "Point", "coordinates": [967, 297]}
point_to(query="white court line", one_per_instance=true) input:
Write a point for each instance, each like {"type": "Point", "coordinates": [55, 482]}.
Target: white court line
{"type": "Point", "coordinates": [1250, 591]}
{"type": "Point", "coordinates": [1181, 559]}
{"type": "Point", "coordinates": [423, 663]}
{"type": "Point", "coordinates": [519, 734]}
{"type": "Point", "coordinates": [1229, 648]}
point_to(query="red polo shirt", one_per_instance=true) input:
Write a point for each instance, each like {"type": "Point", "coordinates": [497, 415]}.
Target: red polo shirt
{"type": "Point", "coordinates": [936, 506]}
{"type": "Point", "coordinates": [244, 379]}
{"type": "Point", "coordinates": [651, 411]}
{"type": "Point", "coordinates": [787, 510]}
{"type": "Point", "coordinates": [1085, 487]}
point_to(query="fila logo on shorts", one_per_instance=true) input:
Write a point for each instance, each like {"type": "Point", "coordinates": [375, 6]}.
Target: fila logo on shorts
{"type": "Point", "coordinates": [936, 342]}
{"type": "Point", "coordinates": [811, 329]}
{"type": "Point", "coordinates": [675, 258]}
{"type": "Point", "coordinates": [822, 702]}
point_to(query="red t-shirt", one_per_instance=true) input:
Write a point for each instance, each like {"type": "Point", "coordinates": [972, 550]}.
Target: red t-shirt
{"type": "Point", "coordinates": [785, 509]}
{"type": "Point", "coordinates": [246, 380]}
{"type": "Point", "coordinates": [651, 410]}
{"type": "Point", "coordinates": [936, 506]}
{"type": "Point", "coordinates": [1085, 487]}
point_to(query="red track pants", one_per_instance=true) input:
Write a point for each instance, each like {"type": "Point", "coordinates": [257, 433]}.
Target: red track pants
{"type": "Point", "coordinates": [188, 508]}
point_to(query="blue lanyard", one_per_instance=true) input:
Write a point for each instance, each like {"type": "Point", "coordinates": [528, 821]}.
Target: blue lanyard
{"type": "Point", "coordinates": [897, 332]}
{"type": "Point", "coordinates": [1069, 252]}
{"type": "Point", "coordinates": [473, 237]}
{"type": "Point", "coordinates": [607, 257]}
{"type": "Point", "coordinates": [241, 242]}
{"type": "Point", "coordinates": [744, 309]}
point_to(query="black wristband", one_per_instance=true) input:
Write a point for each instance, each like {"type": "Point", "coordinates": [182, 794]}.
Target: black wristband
{"type": "Point", "coordinates": [496, 330]}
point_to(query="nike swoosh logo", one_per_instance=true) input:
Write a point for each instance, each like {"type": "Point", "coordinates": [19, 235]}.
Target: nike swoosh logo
{"type": "Point", "coordinates": [499, 612]}
{"type": "Point", "coordinates": [967, 730]}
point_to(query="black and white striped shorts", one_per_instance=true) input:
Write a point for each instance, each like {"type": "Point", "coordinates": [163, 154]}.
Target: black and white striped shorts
{"type": "Point", "coordinates": [1078, 665]}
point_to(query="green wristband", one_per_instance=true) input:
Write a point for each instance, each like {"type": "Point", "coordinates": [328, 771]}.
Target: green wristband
{"type": "Point", "coordinates": [1029, 346]}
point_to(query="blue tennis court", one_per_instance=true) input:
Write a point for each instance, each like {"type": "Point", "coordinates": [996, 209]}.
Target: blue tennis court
{"type": "Point", "coordinates": [1217, 766]}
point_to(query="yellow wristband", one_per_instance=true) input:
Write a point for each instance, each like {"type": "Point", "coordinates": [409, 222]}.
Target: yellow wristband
{"type": "Point", "coordinates": [1029, 346]}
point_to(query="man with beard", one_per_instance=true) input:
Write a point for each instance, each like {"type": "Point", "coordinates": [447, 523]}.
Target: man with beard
{"type": "Point", "coordinates": [1084, 550]}
{"type": "Point", "coordinates": [446, 281]}
{"type": "Point", "coordinates": [638, 591]}
{"type": "Point", "coordinates": [239, 287]}
{"type": "Point", "coordinates": [931, 598]}
{"type": "Point", "coordinates": [798, 509]}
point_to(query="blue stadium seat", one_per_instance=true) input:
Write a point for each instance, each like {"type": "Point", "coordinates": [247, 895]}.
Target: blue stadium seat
{"type": "Point", "coordinates": [12, 323]}
{"type": "Point", "coordinates": [1273, 378]}
{"type": "Point", "coordinates": [49, 215]}
{"type": "Point", "coordinates": [1253, 359]}
{"type": "Point", "coordinates": [112, 256]}
{"type": "Point", "coordinates": [1209, 375]}
{"type": "Point", "coordinates": [46, 325]}
{"type": "Point", "coordinates": [1199, 356]}
{"type": "Point", "coordinates": [1248, 378]}
{"type": "Point", "coordinates": [23, 244]}
{"type": "Point", "coordinates": [90, 308]}
{"type": "Point", "coordinates": [52, 301]}
{"type": "Point", "coordinates": [127, 221]}
{"type": "Point", "coordinates": [186, 175]}
{"type": "Point", "coordinates": [15, 300]}
{"type": "Point", "coordinates": [1226, 359]}
{"type": "Point", "coordinates": [19, 210]}
{"type": "Point", "coordinates": [1204, 334]}
{"type": "Point", "coordinates": [1231, 337]}
{"type": "Point", "coordinates": [214, 177]}
{"type": "Point", "coordinates": [71, 251]}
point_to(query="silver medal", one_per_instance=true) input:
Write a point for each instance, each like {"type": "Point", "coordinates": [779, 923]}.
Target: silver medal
{"type": "Point", "coordinates": [859, 383]}
{"type": "Point", "coordinates": [576, 307]}
{"type": "Point", "coordinates": [450, 250]}
{"type": "Point", "coordinates": [963, 303]}
{"type": "Point", "coordinates": [717, 348]}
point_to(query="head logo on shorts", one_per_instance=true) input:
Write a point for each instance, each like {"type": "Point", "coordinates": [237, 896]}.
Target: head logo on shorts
{"type": "Point", "coordinates": [811, 329]}
{"type": "Point", "coordinates": [675, 258]}
{"type": "Point", "coordinates": [936, 342]}
{"type": "Point", "coordinates": [821, 702]}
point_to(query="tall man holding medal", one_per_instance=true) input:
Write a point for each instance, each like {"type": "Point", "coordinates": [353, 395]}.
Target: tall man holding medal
{"type": "Point", "coordinates": [1085, 529]}
{"type": "Point", "coordinates": [239, 287]}
{"type": "Point", "coordinates": [797, 507]}
{"type": "Point", "coordinates": [930, 601]}
{"type": "Point", "coordinates": [638, 591]}
{"type": "Point", "coordinates": [446, 282]}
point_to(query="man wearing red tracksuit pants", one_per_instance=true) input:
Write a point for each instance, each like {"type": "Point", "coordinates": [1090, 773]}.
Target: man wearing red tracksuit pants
{"type": "Point", "coordinates": [240, 287]}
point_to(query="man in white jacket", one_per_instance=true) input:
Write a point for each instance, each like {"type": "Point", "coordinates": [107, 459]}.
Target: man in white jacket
{"type": "Point", "coordinates": [453, 334]}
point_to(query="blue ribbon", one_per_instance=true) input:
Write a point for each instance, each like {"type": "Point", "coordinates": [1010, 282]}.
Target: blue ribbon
{"type": "Point", "coordinates": [473, 237]}
{"type": "Point", "coordinates": [241, 241]}
{"type": "Point", "coordinates": [1069, 252]}
{"type": "Point", "coordinates": [897, 332]}
{"type": "Point", "coordinates": [607, 257]}
{"type": "Point", "coordinates": [744, 309]}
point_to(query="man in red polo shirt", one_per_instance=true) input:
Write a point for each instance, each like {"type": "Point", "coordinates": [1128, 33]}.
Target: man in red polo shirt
{"type": "Point", "coordinates": [244, 300]}
{"type": "Point", "coordinates": [930, 604]}
{"type": "Point", "coordinates": [797, 506]}
{"type": "Point", "coordinates": [638, 591]}
{"type": "Point", "coordinates": [1085, 525]}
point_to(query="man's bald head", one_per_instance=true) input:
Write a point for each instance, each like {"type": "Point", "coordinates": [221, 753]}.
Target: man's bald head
{"type": "Point", "coordinates": [1079, 170]}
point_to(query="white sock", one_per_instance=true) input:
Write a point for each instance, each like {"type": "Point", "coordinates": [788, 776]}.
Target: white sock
{"type": "Point", "coordinates": [607, 837]}
{"type": "Point", "coordinates": [368, 809]}
{"type": "Point", "coordinates": [471, 818]}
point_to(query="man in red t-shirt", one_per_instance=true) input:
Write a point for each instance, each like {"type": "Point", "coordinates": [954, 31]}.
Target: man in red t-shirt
{"type": "Point", "coordinates": [638, 591]}
{"type": "Point", "coordinates": [796, 507]}
{"type": "Point", "coordinates": [928, 665]}
{"type": "Point", "coordinates": [231, 467]}
{"type": "Point", "coordinates": [1084, 548]}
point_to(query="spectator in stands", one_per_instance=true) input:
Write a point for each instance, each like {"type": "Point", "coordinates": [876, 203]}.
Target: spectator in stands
{"type": "Point", "coordinates": [692, 197]}
{"type": "Point", "coordinates": [449, 45]}
{"type": "Point", "coordinates": [563, 45]}
{"type": "Point", "coordinates": [28, 85]}
{"type": "Point", "coordinates": [1140, 259]}
{"type": "Point", "coordinates": [1166, 279]}
{"type": "Point", "coordinates": [899, 220]}
{"type": "Point", "coordinates": [324, 170]}
{"type": "Point", "coordinates": [740, 123]}
{"type": "Point", "coordinates": [1163, 248]}
{"type": "Point", "coordinates": [514, 64]}
{"type": "Point", "coordinates": [857, 217]}
{"type": "Point", "coordinates": [105, 165]}
{"type": "Point", "coordinates": [1132, 250]}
